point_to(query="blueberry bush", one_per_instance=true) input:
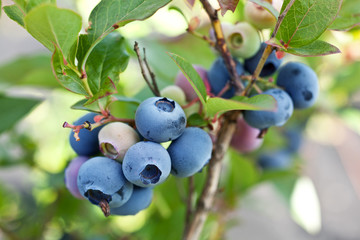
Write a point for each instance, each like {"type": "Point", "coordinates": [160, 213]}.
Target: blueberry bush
{"type": "Point", "coordinates": [156, 117]}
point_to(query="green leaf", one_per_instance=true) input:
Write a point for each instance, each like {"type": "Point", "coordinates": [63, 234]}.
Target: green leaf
{"type": "Point", "coordinates": [196, 120]}
{"type": "Point", "coordinates": [13, 109]}
{"type": "Point", "coordinates": [240, 175]}
{"type": "Point", "coordinates": [110, 14]}
{"type": "Point", "coordinates": [15, 13]}
{"type": "Point", "coordinates": [122, 98]}
{"type": "Point", "coordinates": [82, 50]}
{"type": "Point", "coordinates": [274, 175]}
{"type": "Point", "coordinates": [80, 105]}
{"type": "Point", "coordinates": [218, 105]}
{"type": "Point", "coordinates": [316, 48]}
{"type": "Point", "coordinates": [269, 7]}
{"type": "Point", "coordinates": [21, 4]}
{"type": "Point", "coordinates": [32, 70]}
{"type": "Point", "coordinates": [192, 76]}
{"type": "Point", "coordinates": [67, 77]}
{"type": "Point", "coordinates": [349, 16]}
{"type": "Point", "coordinates": [107, 88]}
{"type": "Point", "coordinates": [123, 107]}
{"type": "Point", "coordinates": [306, 21]}
{"type": "Point", "coordinates": [346, 23]}
{"type": "Point", "coordinates": [106, 61]}
{"type": "Point", "coordinates": [54, 27]}
{"type": "Point", "coordinates": [30, 4]}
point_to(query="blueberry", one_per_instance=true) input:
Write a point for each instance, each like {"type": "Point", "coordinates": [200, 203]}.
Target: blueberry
{"type": "Point", "coordinates": [190, 152]}
{"type": "Point", "coordinates": [146, 164]}
{"type": "Point", "coordinates": [89, 143]}
{"type": "Point", "coordinates": [300, 82]}
{"type": "Point", "coordinates": [160, 119]}
{"type": "Point", "coordinates": [270, 67]}
{"type": "Point", "coordinates": [185, 85]}
{"type": "Point", "coordinates": [245, 138]}
{"type": "Point", "coordinates": [71, 173]}
{"type": "Point", "coordinates": [101, 179]}
{"type": "Point", "coordinates": [276, 160]}
{"type": "Point", "coordinates": [219, 76]}
{"type": "Point", "coordinates": [266, 119]}
{"type": "Point", "coordinates": [115, 139]}
{"type": "Point", "coordinates": [139, 200]}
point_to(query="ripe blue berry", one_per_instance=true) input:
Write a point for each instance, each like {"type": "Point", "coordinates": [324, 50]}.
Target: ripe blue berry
{"type": "Point", "coordinates": [101, 179]}
{"type": "Point", "coordinates": [89, 143]}
{"type": "Point", "coordinates": [266, 119]}
{"type": "Point", "coordinates": [219, 76]}
{"type": "Point", "coordinates": [115, 139]}
{"type": "Point", "coordinates": [139, 200]}
{"type": "Point", "coordinates": [71, 173]}
{"type": "Point", "coordinates": [300, 82]}
{"type": "Point", "coordinates": [146, 164]}
{"type": "Point", "coordinates": [190, 152]}
{"type": "Point", "coordinates": [160, 119]}
{"type": "Point", "coordinates": [276, 160]}
{"type": "Point", "coordinates": [271, 65]}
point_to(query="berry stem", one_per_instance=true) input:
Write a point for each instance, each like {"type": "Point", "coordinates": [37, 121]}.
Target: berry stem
{"type": "Point", "coordinates": [203, 37]}
{"type": "Point", "coordinates": [258, 69]}
{"type": "Point", "coordinates": [90, 126]}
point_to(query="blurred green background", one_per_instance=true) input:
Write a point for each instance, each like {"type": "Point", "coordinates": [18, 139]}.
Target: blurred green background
{"type": "Point", "coordinates": [322, 185]}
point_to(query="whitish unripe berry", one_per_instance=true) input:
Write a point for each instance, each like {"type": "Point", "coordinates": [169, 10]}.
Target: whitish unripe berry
{"type": "Point", "coordinates": [115, 139]}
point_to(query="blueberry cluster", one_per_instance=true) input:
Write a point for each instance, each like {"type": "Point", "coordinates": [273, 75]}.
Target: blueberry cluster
{"type": "Point", "coordinates": [296, 84]}
{"type": "Point", "coordinates": [118, 166]}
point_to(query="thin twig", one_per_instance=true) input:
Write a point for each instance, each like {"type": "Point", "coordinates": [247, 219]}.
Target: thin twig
{"type": "Point", "coordinates": [152, 75]}
{"type": "Point", "coordinates": [203, 37]}
{"type": "Point", "coordinates": [137, 51]}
